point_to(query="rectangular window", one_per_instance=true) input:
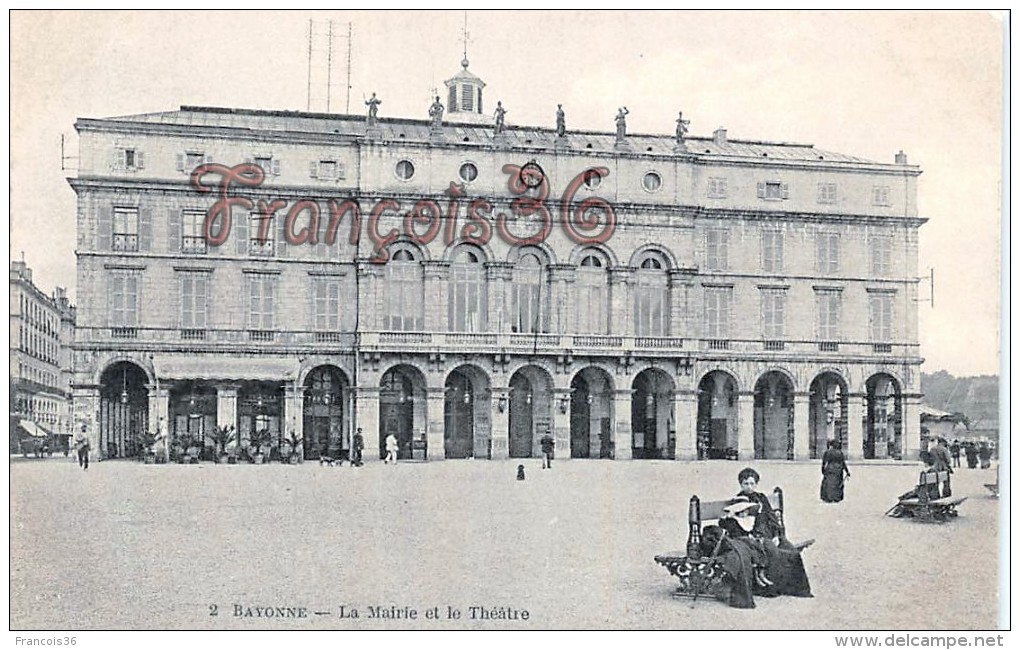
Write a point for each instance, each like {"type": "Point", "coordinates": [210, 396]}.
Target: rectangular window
{"type": "Point", "coordinates": [826, 192]}
{"type": "Point", "coordinates": [328, 170]}
{"type": "Point", "coordinates": [773, 309]}
{"type": "Point", "coordinates": [327, 304]}
{"type": "Point", "coordinates": [717, 312]}
{"type": "Point", "coordinates": [405, 297]}
{"type": "Point", "coordinates": [256, 244]}
{"type": "Point", "coordinates": [125, 229]}
{"type": "Point", "coordinates": [123, 290]}
{"type": "Point", "coordinates": [881, 317]}
{"type": "Point", "coordinates": [266, 163]}
{"type": "Point", "coordinates": [193, 232]}
{"type": "Point", "coordinates": [827, 252]}
{"type": "Point", "coordinates": [880, 195]}
{"type": "Point", "coordinates": [717, 249]}
{"type": "Point", "coordinates": [591, 310]}
{"type": "Point", "coordinates": [881, 255]}
{"type": "Point", "coordinates": [193, 159]}
{"type": "Point", "coordinates": [194, 300]}
{"type": "Point", "coordinates": [773, 190]}
{"type": "Point", "coordinates": [717, 188]}
{"type": "Point", "coordinates": [772, 251]}
{"type": "Point", "coordinates": [130, 159]}
{"type": "Point", "coordinates": [262, 301]}
{"type": "Point", "coordinates": [829, 303]}
{"type": "Point", "coordinates": [651, 304]}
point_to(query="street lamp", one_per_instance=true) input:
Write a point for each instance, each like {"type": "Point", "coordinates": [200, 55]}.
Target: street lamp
{"type": "Point", "coordinates": [124, 393]}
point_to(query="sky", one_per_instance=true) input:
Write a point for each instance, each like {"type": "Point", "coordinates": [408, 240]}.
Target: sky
{"type": "Point", "coordinates": [864, 83]}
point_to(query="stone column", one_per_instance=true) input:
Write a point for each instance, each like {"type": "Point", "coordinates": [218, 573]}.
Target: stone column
{"type": "Point", "coordinates": [498, 275]}
{"type": "Point", "coordinates": [366, 417]}
{"type": "Point", "coordinates": [561, 278]}
{"type": "Point", "coordinates": [685, 405]}
{"type": "Point", "coordinates": [159, 415]}
{"type": "Point", "coordinates": [911, 427]}
{"type": "Point", "coordinates": [623, 435]}
{"type": "Point", "coordinates": [435, 427]}
{"type": "Point", "coordinates": [500, 424]}
{"type": "Point", "coordinates": [437, 277]}
{"type": "Point", "coordinates": [856, 404]}
{"type": "Point", "coordinates": [745, 425]}
{"type": "Point", "coordinates": [621, 320]}
{"type": "Point", "coordinates": [801, 426]}
{"type": "Point", "coordinates": [561, 423]}
{"type": "Point", "coordinates": [293, 413]}
{"type": "Point", "coordinates": [226, 408]}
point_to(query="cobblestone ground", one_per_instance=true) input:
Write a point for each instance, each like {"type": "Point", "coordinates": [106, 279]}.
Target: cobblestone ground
{"type": "Point", "coordinates": [132, 546]}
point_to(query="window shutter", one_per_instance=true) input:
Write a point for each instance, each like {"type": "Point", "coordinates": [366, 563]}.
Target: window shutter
{"type": "Point", "coordinates": [480, 110]}
{"type": "Point", "coordinates": [761, 190]}
{"type": "Point", "coordinates": [785, 189]}
{"type": "Point", "coordinates": [131, 300]}
{"type": "Point", "coordinates": [269, 302]}
{"type": "Point", "coordinates": [239, 230]}
{"type": "Point", "coordinates": [201, 302]}
{"type": "Point", "coordinates": [104, 227]}
{"type": "Point", "coordinates": [452, 102]}
{"type": "Point", "coordinates": [144, 229]}
{"type": "Point", "coordinates": [313, 169]}
{"type": "Point", "coordinates": [116, 160]}
{"type": "Point", "coordinates": [276, 167]}
{"type": "Point", "coordinates": [175, 240]}
{"type": "Point", "coordinates": [139, 160]}
{"type": "Point", "coordinates": [281, 239]}
{"type": "Point", "coordinates": [180, 162]}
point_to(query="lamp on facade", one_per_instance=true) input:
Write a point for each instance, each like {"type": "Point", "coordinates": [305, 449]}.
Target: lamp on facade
{"type": "Point", "coordinates": [124, 393]}
{"type": "Point", "coordinates": [564, 404]}
{"type": "Point", "coordinates": [527, 398]}
{"type": "Point", "coordinates": [467, 397]}
{"type": "Point", "coordinates": [501, 403]}
{"type": "Point", "coordinates": [589, 399]}
{"type": "Point", "coordinates": [685, 366]}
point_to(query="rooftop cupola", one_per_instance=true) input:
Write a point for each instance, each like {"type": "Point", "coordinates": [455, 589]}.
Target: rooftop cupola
{"type": "Point", "coordinates": [464, 96]}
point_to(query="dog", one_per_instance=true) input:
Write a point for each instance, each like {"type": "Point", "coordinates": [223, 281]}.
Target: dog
{"type": "Point", "coordinates": [520, 472]}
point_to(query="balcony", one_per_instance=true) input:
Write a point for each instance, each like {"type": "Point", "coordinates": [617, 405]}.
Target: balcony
{"type": "Point", "coordinates": [828, 346]}
{"type": "Point", "coordinates": [775, 346]}
{"type": "Point", "coordinates": [261, 336]}
{"type": "Point", "coordinates": [881, 348]}
{"type": "Point", "coordinates": [718, 344]}
{"type": "Point", "coordinates": [192, 335]}
{"type": "Point", "coordinates": [124, 332]}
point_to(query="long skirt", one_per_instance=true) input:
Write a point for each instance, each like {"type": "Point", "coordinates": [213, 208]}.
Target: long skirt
{"type": "Point", "coordinates": [832, 487]}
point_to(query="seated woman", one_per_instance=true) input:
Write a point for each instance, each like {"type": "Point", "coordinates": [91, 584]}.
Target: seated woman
{"type": "Point", "coordinates": [749, 535]}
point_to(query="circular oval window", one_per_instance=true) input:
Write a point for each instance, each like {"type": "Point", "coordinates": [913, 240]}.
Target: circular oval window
{"type": "Point", "coordinates": [468, 172]}
{"type": "Point", "coordinates": [405, 170]}
{"type": "Point", "coordinates": [652, 182]}
{"type": "Point", "coordinates": [592, 179]}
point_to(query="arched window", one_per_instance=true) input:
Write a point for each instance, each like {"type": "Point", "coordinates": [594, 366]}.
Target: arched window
{"type": "Point", "coordinates": [405, 293]}
{"type": "Point", "coordinates": [468, 303]}
{"type": "Point", "coordinates": [528, 309]}
{"type": "Point", "coordinates": [591, 307]}
{"type": "Point", "coordinates": [651, 298]}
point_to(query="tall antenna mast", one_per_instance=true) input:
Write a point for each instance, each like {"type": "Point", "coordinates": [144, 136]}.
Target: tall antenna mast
{"type": "Point", "coordinates": [308, 95]}
{"type": "Point", "coordinates": [465, 36]}
{"type": "Point", "coordinates": [321, 45]}
{"type": "Point", "coordinates": [329, 66]}
{"type": "Point", "coordinates": [350, 39]}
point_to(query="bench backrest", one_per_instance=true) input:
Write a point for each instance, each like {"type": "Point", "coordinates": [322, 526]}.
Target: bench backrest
{"type": "Point", "coordinates": [700, 513]}
{"type": "Point", "coordinates": [929, 478]}
{"type": "Point", "coordinates": [933, 478]}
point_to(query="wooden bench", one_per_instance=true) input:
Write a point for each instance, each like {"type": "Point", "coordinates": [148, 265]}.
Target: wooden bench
{"type": "Point", "coordinates": [925, 503]}
{"type": "Point", "coordinates": [702, 574]}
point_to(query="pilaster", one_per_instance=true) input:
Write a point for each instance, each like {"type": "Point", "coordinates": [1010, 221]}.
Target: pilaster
{"type": "Point", "coordinates": [745, 425]}
{"type": "Point", "coordinates": [801, 426]}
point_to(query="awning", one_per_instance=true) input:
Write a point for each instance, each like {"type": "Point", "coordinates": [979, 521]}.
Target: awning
{"type": "Point", "coordinates": [209, 366]}
{"type": "Point", "coordinates": [33, 429]}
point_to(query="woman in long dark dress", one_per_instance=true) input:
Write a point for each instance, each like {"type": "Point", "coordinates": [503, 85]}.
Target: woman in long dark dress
{"type": "Point", "coordinates": [834, 473]}
{"type": "Point", "coordinates": [972, 455]}
{"type": "Point", "coordinates": [764, 545]}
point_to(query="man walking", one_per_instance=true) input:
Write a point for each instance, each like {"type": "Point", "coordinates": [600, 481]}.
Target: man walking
{"type": "Point", "coordinates": [356, 446]}
{"type": "Point", "coordinates": [954, 450]}
{"type": "Point", "coordinates": [942, 463]}
{"type": "Point", "coordinates": [547, 449]}
{"type": "Point", "coordinates": [81, 443]}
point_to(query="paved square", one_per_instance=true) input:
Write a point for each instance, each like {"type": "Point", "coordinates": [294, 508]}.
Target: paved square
{"type": "Point", "coordinates": [126, 545]}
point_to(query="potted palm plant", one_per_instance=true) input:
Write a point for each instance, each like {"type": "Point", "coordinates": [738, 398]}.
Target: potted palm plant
{"type": "Point", "coordinates": [185, 448]}
{"type": "Point", "coordinates": [260, 442]}
{"type": "Point", "coordinates": [149, 441]}
{"type": "Point", "coordinates": [222, 437]}
{"type": "Point", "coordinates": [294, 442]}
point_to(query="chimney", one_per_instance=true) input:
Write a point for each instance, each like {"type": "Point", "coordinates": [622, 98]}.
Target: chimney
{"type": "Point", "coordinates": [901, 158]}
{"type": "Point", "coordinates": [720, 136]}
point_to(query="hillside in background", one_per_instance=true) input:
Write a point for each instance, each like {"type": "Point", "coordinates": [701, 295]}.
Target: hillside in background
{"type": "Point", "coordinates": [975, 397]}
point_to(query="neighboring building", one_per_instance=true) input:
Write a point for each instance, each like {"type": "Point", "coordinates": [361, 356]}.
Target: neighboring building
{"type": "Point", "coordinates": [42, 332]}
{"type": "Point", "coordinates": [756, 298]}
{"type": "Point", "coordinates": [940, 424]}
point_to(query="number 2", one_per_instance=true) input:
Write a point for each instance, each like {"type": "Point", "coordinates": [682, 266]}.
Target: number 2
{"type": "Point", "coordinates": [214, 610]}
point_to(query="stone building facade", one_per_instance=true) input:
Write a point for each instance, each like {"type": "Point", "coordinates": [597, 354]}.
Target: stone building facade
{"type": "Point", "coordinates": [439, 279]}
{"type": "Point", "coordinates": [42, 333]}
